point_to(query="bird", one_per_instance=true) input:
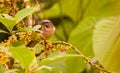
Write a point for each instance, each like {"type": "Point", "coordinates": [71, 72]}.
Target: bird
{"type": "Point", "coordinates": [47, 29]}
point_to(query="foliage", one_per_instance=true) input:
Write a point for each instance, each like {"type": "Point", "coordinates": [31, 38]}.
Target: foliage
{"type": "Point", "coordinates": [107, 35]}
{"type": "Point", "coordinates": [10, 21]}
{"type": "Point", "coordinates": [25, 57]}
{"type": "Point", "coordinates": [90, 29]}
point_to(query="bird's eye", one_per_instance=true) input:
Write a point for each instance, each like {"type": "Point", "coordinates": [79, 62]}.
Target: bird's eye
{"type": "Point", "coordinates": [47, 25]}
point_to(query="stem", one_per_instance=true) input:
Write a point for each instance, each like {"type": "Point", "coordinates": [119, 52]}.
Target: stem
{"type": "Point", "coordinates": [29, 18]}
{"type": "Point", "coordinates": [41, 67]}
{"type": "Point", "coordinates": [14, 7]}
{"type": "Point", "coordinates": [88, 60]}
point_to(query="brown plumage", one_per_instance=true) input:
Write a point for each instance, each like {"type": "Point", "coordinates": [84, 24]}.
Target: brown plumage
{"type": "Point", "coordinates": [47, 29]}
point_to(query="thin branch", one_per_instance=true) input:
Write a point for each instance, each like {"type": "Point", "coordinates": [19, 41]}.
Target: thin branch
{"type": "Point", "coordinates": [88, 60]}
{"type": "Point", "coordinates": [29, 18]}
{"type": "Point", "coordinates": [13, 5]}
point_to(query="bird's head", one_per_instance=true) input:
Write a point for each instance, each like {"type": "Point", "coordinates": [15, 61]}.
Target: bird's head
{"type": "Point", "coordinates": [47, 29]}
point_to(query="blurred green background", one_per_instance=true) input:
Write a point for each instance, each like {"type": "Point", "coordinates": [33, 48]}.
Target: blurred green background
{"type": "Point", "coordinates": [92, 26]}
{"type": "Point", "coordinates": [75, 21]}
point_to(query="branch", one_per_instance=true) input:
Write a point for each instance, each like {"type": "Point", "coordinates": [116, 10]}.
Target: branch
{"type": "Point", "coordinates": [88, 60]}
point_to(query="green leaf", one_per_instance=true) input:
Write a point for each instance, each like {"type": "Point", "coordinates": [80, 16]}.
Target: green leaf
{"type": "Point", "coordinates": [102, 8]}
{"type": "Point", "coordinates": [23, 13]}
{"type": "Point", "coordinates": [10, 22]}
{"type": "Point", "coordinates": [80, 9]}
{"type": "Point", "coordinates": [65, 8]}
{"type": "Point", "coordinates": [63, 30]}
{"type": "Point", "coordinates": [81, 36]}
{"type": "Point", "coordinates": [27, 29]}
{"type": "Point", "coordinates": [23, 55]}
{"type": "Point", "coordinates": [75, 65]}
{"type": "Point", "coordinates": [18, 43]}
{"type": "Point", "coordinates": [54, 11]}
{"type": "Point", "coordinates": [106, 43]}
{"type": "Point", "coordinates": [63, 62]}
{"type": "Point", "coordinates": [7, 22]}
{"type": "Point", "coordinates": [71, 8]}
{"type": "Point", "coordinates": [57, 58]}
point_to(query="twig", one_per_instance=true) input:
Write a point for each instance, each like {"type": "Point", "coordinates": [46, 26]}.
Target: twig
{"type": "Point", "coordinates": [97, 66]}
{"type": "Point", "coordinates": [29, 18]}
{"type": "Point", "coordinates": [41, 67]}
{"type": "Point", "coordinates": [14, 10]}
